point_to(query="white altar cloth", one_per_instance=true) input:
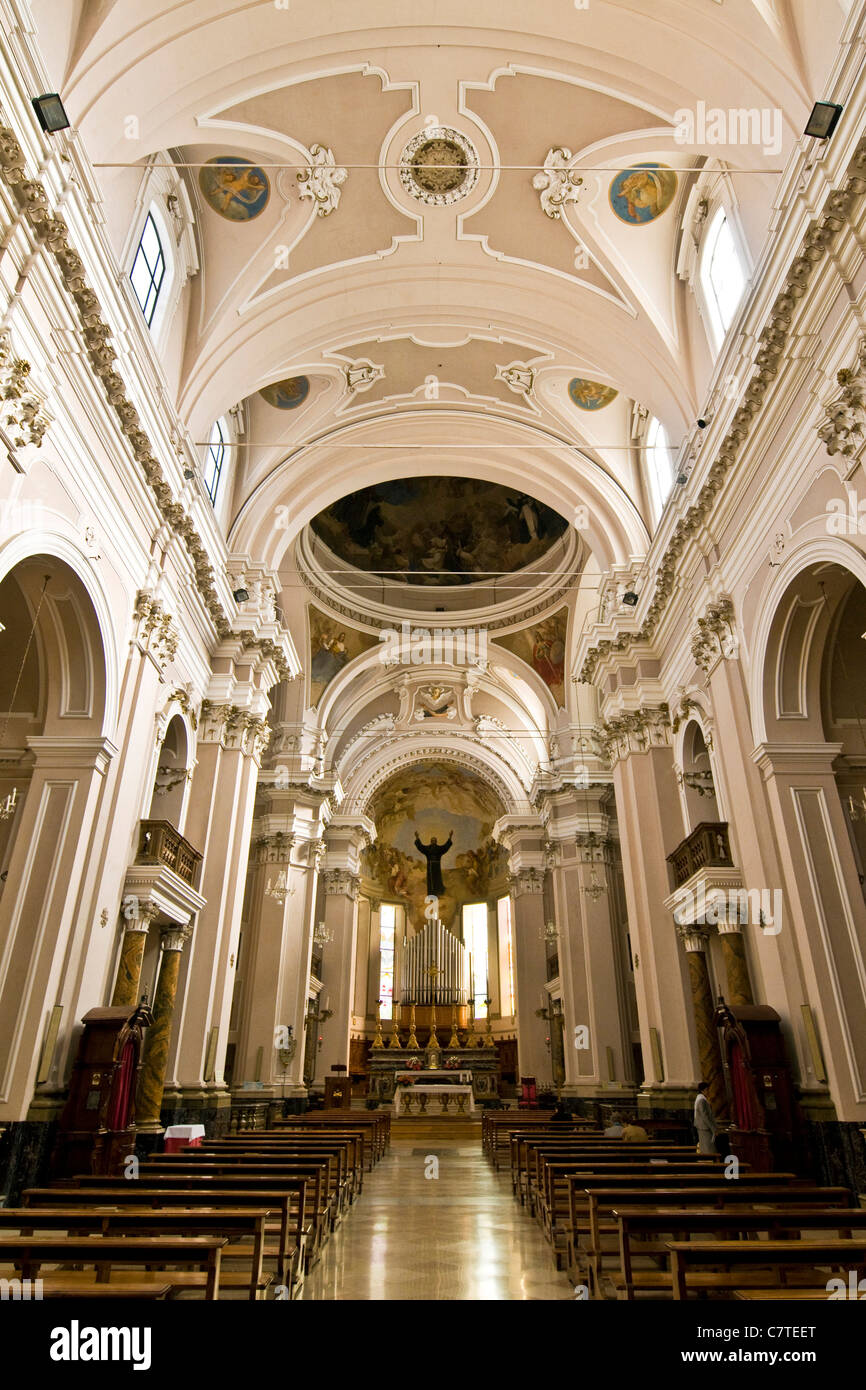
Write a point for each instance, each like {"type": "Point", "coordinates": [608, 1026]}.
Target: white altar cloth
{"type": "Point", "coordinates": [413, 1094]}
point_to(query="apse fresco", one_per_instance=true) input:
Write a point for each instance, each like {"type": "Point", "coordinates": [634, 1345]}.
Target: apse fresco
{"type": "Point", "coordinates": [332, 646]}
{"type": "Point", "coordinates": [438, 531]}
{"type": "Point", "coordinates": [234, 188]}
{"type": "Point", "coordinates": [435, 798]}
{"type": "Point", "coordinates": [590, 395]}
{"type": "Point", "coordinates": [287, 394]}
{"type": "Point", "coordinates": [542, 646]}
{"type": "Point", "coordinates": [641, 194]}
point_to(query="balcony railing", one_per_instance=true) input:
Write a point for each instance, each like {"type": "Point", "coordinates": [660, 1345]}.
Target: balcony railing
{"type": "Point", "coordinates": [160, 843]}
{"type": "Point", "coordinates": [553, 966]}
{"type": "Point", "coordinates": [706, 848]}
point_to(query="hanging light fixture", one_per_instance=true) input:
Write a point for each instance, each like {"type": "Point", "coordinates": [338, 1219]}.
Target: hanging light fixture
{"type": "Point", "coordinates": [322, 935]}
{"type": "Point", "coordinates": [549, 933]}
{"type": "Point", "coordinates": [10, 805]}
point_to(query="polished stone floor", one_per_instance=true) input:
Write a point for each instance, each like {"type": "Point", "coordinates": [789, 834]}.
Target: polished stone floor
{"type": "Point", "coordinates": [415, 1235]}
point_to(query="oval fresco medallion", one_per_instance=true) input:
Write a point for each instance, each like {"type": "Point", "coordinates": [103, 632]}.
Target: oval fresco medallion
{"type": "Point", "coordinates": [641, 194]}
{"type": "Point", "coordinates": [288, 394]}
{"type": "Point", "coordinates": [235, 188]}
{"type": "Point", "coordinates": [590, 395]}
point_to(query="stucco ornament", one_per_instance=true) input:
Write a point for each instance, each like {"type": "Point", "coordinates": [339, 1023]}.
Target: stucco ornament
{"type": "Point", "coordinates": [557, 183]}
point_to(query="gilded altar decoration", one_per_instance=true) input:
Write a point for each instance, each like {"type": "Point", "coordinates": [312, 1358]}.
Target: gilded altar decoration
{"type": "Point", "coordinates": [234, 188]}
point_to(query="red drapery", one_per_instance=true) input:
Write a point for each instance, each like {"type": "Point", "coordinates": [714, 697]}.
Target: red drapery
{"type": "Point", "coordinates": [745, 1101]}
{"type": "Point", "coordinates": [120, 1107]}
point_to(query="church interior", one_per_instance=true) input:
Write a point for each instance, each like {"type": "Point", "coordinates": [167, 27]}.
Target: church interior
{"type": "Point", "coordinates": [432, 621]}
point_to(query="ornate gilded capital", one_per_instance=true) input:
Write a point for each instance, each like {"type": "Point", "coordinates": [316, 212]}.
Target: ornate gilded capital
{"type": "Point", "coordinates": [156, 631]}
{"type": "Point", "coordinates": [339, 882]}
{"type": "Point", "coordinates": [174, 937]}
{"type": "Point", "coordinates": [526, 881]}
{"type": "Point", "coordinates": [693, 936]}
{"type": "Point", "coordinates": [21, 410]}
{"type": "Point", "coordinates": [636, 731]}
{"type": "Point", "coordinates": [844, 428]}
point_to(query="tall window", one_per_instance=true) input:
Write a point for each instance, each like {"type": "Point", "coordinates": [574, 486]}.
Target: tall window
{"type": "Point", "coordinates": [148, 269]}
{"type": "Point", "coordinates": [659, 466]}
{"type": "Point", "coordinates": [475, 940]}
{"type": "Point", "coordinates": [387, 930]}
{"type": "Point", "coordinates": [723, 279]}
{"type": "Point", "coordinates": [506, 956]}
{"type": "Point", "coordinates": [213, 464]}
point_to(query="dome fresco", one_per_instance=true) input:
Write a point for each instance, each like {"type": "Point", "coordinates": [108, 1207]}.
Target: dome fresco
{"type": "Point", "coordinates": [439, 531]}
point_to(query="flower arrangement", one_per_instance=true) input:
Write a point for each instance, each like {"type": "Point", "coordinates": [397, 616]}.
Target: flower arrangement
{"type": "Point", "coordinates": [413, 1064]}
{"type": "Point", "coordinates": [453, 1064]}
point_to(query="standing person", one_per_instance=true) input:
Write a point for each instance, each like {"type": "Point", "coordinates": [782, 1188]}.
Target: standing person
{"type": "Point", "coordinates": [705, 1122]}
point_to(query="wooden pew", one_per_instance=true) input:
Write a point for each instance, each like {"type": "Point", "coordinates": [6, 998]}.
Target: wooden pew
{"type": "Point", "coordinates": [284, 1240]}
{"type": "Point", "coordinates": [588, 1230]}
{"type": "Point", "coordinates": [735, 1223]}
{"type": "Point", "coordinates": [200, 1255]}
{"type": "Point", "coordinates": [376, 1123]}
{"type": "Point", "coordinates": [231, 1222]}
{"type": "Point", "coordinates": [582, 1185]}
{"type": "Point", "coordinates": [327, 1214]}
{"type": "Point", "coordinates": [348, 1147]}
{"type": "Point", "coordinates": [784, 1257]}
{"type": "Point", "coordinates": [343, 1170]}
{"type": "Point", "coordinates": [264, 1185]}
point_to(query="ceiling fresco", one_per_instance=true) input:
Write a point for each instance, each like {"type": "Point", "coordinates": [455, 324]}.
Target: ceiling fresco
{"type": "Point", "coordinates": [439, 531]}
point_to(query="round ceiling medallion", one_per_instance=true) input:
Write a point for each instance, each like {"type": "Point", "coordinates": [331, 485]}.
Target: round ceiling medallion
{"type": "Point", "coordinates": [439, 166]}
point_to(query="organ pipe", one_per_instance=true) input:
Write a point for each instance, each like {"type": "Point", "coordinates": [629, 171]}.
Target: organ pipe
{"type": "Point", "coordinates": [434, 967]}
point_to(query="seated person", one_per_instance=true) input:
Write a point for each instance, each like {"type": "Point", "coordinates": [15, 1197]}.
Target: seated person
{"type": "Point", "coordinates": [614, 1129]}
{"type": "Point", "coordinates": [560, 1113]}
{"type": "Point", "coordinates": [634, 1134]}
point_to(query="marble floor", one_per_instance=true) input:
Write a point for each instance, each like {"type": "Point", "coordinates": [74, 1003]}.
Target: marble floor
{"type": "Point", "coordinates": [435, 1222]}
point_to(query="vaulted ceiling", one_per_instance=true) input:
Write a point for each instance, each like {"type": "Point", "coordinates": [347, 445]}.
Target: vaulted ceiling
{"type": "Point", "coordinates": [479, 330]}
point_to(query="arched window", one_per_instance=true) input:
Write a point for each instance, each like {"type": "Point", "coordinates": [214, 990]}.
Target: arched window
{"type": "Point", "coordinates": [659, 467]}
{"type": "Point", "coordinates": [148, 269]}
{"type": "Point", "coordinates": [216, 454]}
{"type": "Point", "coordinates": [723, 277]}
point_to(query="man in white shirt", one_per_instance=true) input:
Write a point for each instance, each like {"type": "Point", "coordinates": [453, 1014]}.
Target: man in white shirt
{"type": "Point", "coordinates": [705, 1122]}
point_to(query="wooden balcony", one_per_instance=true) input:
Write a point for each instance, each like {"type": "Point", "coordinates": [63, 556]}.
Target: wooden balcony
{"type": "Point", "coordinates": [706, 848]}
{"type": "Point", "coordinates": [160, 843]}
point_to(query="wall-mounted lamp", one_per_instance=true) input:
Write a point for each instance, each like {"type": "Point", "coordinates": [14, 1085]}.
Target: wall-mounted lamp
{"type": "Point", "coordinates": [50, 113]}
{"type": "Point", "coordinates": [823, 120]}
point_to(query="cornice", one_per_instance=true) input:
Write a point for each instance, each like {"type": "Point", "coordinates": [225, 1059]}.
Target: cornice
{"type": "Point", "coordinates": [771, 345]}
{"type": "Point", "coordinates": [51, 231]}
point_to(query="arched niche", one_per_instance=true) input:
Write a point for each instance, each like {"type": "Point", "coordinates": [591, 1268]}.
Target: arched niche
{"type": "Point", "coordinates": [698, 785]}
{"type": "Point", "coordinates": [52, 675]}
{"type": "Point", "coordinates": [168, 797]}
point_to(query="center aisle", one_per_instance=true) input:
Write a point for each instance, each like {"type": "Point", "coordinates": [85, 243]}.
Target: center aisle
{"type": "Point", "coordinates": [458, 1235]}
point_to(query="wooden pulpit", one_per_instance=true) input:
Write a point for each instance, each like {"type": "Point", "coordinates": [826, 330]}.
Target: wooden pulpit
{"type": "Point", "coordinates": [96, 1131]}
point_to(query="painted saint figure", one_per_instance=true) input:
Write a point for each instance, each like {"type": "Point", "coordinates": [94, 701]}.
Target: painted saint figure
{"type": "Point", "coordinates": [433, 854]}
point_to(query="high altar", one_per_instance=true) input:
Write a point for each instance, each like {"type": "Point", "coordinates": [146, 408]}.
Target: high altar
{"type": "Point", "coordinates": [462, 1064]}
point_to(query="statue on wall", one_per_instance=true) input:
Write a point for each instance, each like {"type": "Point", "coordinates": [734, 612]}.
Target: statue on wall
{"type": "Point", "coordinates": [433, 854]}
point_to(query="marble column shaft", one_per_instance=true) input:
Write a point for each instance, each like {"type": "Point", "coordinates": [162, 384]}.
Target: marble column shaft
{"type": "Point", "coordinates": [736, 968]}
{"type": "Point", "coordinates": [705, 1029]}
{"type": "Point", "coordinates": [158, 1039]}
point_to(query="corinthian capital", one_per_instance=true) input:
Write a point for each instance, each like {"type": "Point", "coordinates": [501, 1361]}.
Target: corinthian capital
{"type": "Point", "coordinates": [844, 428]}
{"type": "Point", "coordinates": [636, 731]}
{"type": "Point", "coordinates": [339, 882]}
{"type": "Point", "coordinates": [716, 636]}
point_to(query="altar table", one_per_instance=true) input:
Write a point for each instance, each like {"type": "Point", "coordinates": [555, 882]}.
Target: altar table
{"type": "Point", "coordinates": [414, 1100]}
{"type": "Point", "coordinates": [179, 1137]}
